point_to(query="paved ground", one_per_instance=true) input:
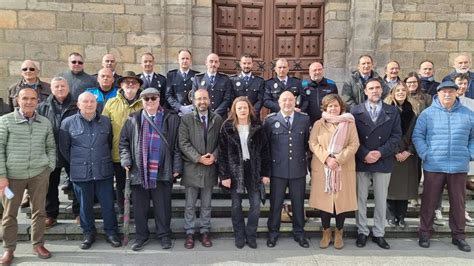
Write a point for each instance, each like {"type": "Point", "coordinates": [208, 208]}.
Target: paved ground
{"type": "Point", "coordinates": [287, 252]}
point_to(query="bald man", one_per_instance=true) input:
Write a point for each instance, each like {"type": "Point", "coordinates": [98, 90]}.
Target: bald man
{"type": "Point", "coordinates": [462, 64]}
{"type": "Point", "coordinates": [109, 62]}
{"type": "Point", "coordinates": [106, 89]}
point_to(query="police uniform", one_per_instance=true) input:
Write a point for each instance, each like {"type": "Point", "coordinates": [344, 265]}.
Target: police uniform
{"type": "Point", "coordinates": [158, 82]}
{"type": "Point", "coordinates": [253, 89]}
{"type": "Point", "coordinates": [274, 87]}
{"type": "Point", "coordinates": [289, 146]}
{"type": "Point", "coordinates": [314, 94]}
{"type": "Point", "coordinates": [178, 88]}
{"type": "Point", "coordinates": [220, 92]}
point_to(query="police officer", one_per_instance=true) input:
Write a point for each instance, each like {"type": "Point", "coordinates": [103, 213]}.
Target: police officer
{"type": "Point", "coordinates": [288, 133]}
{"type": "Point", "coordinates": [248, 85]}
{"type": "Point", "coordinates": [316, 90]}
{"type": "Point", "coordinates": [218, 85]}
{"type": "Point", "coordinates": [152, 79]}
{"type": "Point", "coordinates": [179, 85]}
{"type": "Point", "coordinates": [282, 82]}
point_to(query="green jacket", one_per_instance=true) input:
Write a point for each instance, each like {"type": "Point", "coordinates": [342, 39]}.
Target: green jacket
{"type": "Point", "coordinates": [118, 110]}
{"type": "Point", "coordinates": [26, 149]}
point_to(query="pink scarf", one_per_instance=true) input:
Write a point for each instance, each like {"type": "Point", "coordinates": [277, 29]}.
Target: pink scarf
{"type": "Point", "coordinates": [333, 177]}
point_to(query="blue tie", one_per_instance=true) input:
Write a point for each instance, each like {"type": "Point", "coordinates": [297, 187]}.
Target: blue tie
{"type": "Point", "coordinates": [211, 79]}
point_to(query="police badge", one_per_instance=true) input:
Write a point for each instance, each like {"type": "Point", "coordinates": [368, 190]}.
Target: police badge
{"type": "Point", "coordinates": [203, 83]}
{"type": "Point", "coordinates": [275, 85]}
{"type": "Point", "coordinates": [277, 124]}
{"type": "Point", "coordinates": [238, 84]}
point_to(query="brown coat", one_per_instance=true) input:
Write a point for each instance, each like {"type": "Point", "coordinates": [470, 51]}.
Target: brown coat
{"type": "Point", "coordinates": [346, 199]}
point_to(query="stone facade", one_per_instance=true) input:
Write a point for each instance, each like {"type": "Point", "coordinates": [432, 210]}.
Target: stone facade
{"type": "Point", "coordinates": [48, 30]}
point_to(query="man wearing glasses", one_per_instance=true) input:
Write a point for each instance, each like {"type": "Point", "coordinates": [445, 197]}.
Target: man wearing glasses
{"type": "Point", "coordinates": [29, 71]}
{"type": "Point", "coordinates": [77, 79]}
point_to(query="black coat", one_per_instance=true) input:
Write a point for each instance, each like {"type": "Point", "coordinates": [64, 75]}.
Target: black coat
{"type": "Point", "coordinates": [230, 160]}
{"type": "Point", "coordinates": [274, 88]}
{"type": "Point", "coordinates": [220, 94]}
{"type": "Point", "coordinates": [315, 93]}
{"type": "Point", "coordinates": [253, 90]}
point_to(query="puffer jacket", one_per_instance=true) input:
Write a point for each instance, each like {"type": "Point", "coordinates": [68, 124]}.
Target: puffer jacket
{"type": "Point", "coordinates": [118, 109]}
{"type": "Point", "coordinates": [444, 139]}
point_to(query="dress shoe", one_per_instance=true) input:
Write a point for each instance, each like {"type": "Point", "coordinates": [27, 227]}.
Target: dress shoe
{"type": "Point", "coordinates": [88, 241]}
{"type": "Point", "coordinates": [402, 223]}
{"type": "Point", "coordinates": [252, 243]}
{"type": "Point", "coordinates": [424, 242]}
{"type": "Point", "coordinates": [361, 240]}
{"type": "Point", "coordinates": [7, 257]}
{"type": "Point", "coordinates": [139, 244]}
{"type": "Point", "coordinates": [462, 245]}
{"type": "Point", "coordinates": [206, 240]}
{"type": "Point", "coordinates": [302, 242]}
{"type": "Point", "coordinates": [470, 185]}
{"type": "Point", "coordinates": [271, 242]}
{"type": "Point", "coordinates": [239, 243]}
{"type": "Point", "coordinates": [380, 241]}
{"type": "Point", "coordinates": [50, 222]}
{"type": "Point", "coordinates": [166, 242]}
{"type": "Point", "coordinates": [189, 241]}
{"type": "Point", "coordinates": [114, 240]}
{"type": "Point", "coordinates": [42, 252]}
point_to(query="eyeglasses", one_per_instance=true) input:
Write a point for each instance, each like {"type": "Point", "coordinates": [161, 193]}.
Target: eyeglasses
{"type": "Point", "coordinates": [130, 82]}
{"type": "Point", "coordinates": [74, 62]}
{"type": "Point", "coordinates": [28, 68]}
{"type": "Point", "coordinates": [153, 98]}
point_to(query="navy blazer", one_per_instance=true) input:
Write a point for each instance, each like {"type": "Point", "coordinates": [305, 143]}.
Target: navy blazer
{"type": "Point", "coordinates": [274, 88]}
{"type": "Point", "coordinates": [220, 93]}
{"type": "Point", "coordinates": [384, 135]}
{"type": "Point", "coordinates": [288, 146]}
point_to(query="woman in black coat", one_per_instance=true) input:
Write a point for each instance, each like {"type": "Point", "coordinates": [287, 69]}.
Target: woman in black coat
{"type": "Point", "coordinates": [244, 165]}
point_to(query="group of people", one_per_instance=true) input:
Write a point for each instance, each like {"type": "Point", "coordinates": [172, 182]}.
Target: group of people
{"type": "Point", "coordinates": [207, 127]}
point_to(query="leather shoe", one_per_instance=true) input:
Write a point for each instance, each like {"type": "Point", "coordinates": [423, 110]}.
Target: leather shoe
{"type": "Point", "coordinates": [206, 240]}
{"type": "Point", "coordinates": [189, 242]}
{"type": "Point", "coordinates": [302, 242]}
{"type": "Point", "coordinates": [50, 222]}
{"type": "Point", "coordinates": [361, 240]}
{"type": "Point", "coordinates": [424, 242]}
{"type": "Point", "coordinates": [114, 241]}
{"type": "Point", "coordinates": [380, 241]}
{"type": "Point", "coordinates": [88, 241]}
{"type": "Point", "coordinates": [166, 242]}
{"type": "Point", "coordinates": [252, 243]}
{"type": "Point", "coordinates": [139, 244]}
{"type": "Point", "coordinates": [7, 257]}
{"type": "Point", "coordinates": [239, 243]}
{"type": "Point", "coordinates": [42, 252]}
{"type": "Point", "coordinates": [462, 245]}
{"type": "Point", "coordinates": [271, 242]}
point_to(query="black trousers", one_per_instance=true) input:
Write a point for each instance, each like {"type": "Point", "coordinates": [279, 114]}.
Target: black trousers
{"type": "Point", "coordinates": [277, 196]}
{"type": "Point", "coordinates": [396, 209]}
{"type": "Point", "coordinates": [161, 200]}
{"type": "Point", "coordinates": [52, 197]}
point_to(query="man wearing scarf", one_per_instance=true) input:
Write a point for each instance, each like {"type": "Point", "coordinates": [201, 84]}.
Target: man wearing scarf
{"type": "Point", "coordinates": [428, 83]}
{"type": "Point", "coordinates": [149, 151]}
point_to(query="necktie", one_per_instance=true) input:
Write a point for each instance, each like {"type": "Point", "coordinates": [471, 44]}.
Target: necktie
{"type": "Point", "coordinates": [288, 124]}
{"type": "Point", "coordinates": [184, 75]}
{"type": "Point", "coordinates": [373, 112]}
{"type": "Point", "coordinates": [211, 79]}
{"type": "Point", "coordinates": [149, 80]}
{"type": "Point", "coordinates": [152, 117]}
{"type": "Point", "coordinates": [204, 127]}
{"type": "Point", "coordinates": [284, 83]}
{"type": "Point", "coordinates": [246, 79]}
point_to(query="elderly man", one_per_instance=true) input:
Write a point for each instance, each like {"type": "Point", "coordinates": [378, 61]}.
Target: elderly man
{"type": "Point", "coordinates": [179, 85]}
{"type": "Point", "coordinates": [426, 72]}
{"type": "Point", "coordinates": [106, 89]}
{"type": "Point", "coordinates": [27, 138]}
{"type": "Point", "coordinates": [249, 85]}
{"type": "Point", "coordinates": [117, 110]}
{"type": "Point", "coordinates": [29, 72]}
{"type": "Point", "coordinates": [274, 87]}
{"type": "Point", "coordinates": [77, 79]}
{"type": "Point", "coordinates": [151, 79]}
{"type": "Point", "coordinates": [57, 107]}
{"type": "Point", "coordinates": [462, 64]}
{"type": "Point", "coordinates": [85, 142]}
{"type": "Point", "coordinates": [353, 90]}
{"type": "Point", "coordinates": [152, 135]}
{"type": "Point", "coordinates": [392, 69]}
{"type": "Point", "coordinates": [198, 141]}
{"type": "Point", "coordinates": [219, 86]}
{"type": "Point", "coordinates": [288, 134]}
{"type": "Point", "coordinates": [378, 125]}
{"type": "Point", "coordinates": [444, 140]}
{"type": "Point", "coordinates": [316, 90]}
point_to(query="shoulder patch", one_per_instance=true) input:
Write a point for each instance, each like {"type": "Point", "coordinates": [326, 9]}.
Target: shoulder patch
{"type": "Point", "coordinates": [303, 113]}
{"type": "Point", "coordinates": [270, 115]}
{"type": "Point", "coordinates": [330, 81]}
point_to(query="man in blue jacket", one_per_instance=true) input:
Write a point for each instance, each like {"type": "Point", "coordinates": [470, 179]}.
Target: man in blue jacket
{"type": "Point", "coordinates": [444, 140]}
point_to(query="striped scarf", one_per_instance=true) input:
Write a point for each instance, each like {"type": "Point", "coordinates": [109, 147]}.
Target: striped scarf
{"type": "Point", "coordinates": [150, 143]}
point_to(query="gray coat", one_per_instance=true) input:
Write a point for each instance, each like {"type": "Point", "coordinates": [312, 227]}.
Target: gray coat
{"type": "Point", "coordinates": [353, 90]}
{"type": "Point", "coordinates": [193, 146]}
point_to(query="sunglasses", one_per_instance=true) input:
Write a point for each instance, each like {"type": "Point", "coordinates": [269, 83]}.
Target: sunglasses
{"type": "Point", "coordinates": [28, 68]}
{"type": "Point", "coordinates": [153, 98]}
{"type": "Point", "coordinates": [77, 62]}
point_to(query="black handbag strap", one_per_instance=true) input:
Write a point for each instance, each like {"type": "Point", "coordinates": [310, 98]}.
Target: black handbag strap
{"type": "Point", "coordinates": [157, 130]}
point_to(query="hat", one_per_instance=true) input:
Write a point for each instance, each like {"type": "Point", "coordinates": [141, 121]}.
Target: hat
{"type": "Point", "coordinates": [149, 91]}
{"type": "Point", "coordinates": [447, 84]}
{"type": "Point", "coordinates": [129, 75]}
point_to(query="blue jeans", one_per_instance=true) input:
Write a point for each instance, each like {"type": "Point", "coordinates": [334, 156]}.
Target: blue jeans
{"type": "Point", "coordinates": [104, 191]}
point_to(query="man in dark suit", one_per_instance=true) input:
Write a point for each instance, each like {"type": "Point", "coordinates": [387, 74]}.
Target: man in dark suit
{"type": "Point", "coordinates": [249, 85]}
{"type": "Point", "coordinates": [151, 79]}
{"type": "Point", "coordinates": [218, 85]}
{"type": "Point", "coordinates": [179, 84]}
{"type": "Point", "coordinates": [378, 125]}
{"type": "Point", "coordinates": [282, 82]}
{"type": "Point", "coordinates": [288, 133]}
{"type": "Point", "coordinates": [108, 61]}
